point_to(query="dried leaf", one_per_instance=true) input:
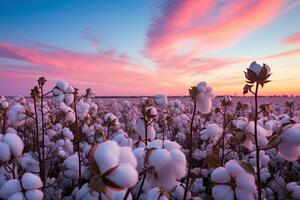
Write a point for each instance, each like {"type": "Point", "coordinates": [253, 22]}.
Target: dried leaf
{"type": "Point", "coordinates": [247, 166]}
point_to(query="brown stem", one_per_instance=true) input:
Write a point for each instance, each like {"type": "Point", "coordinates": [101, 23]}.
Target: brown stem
{"type": "Point", "coordinates": [43, 138]}
{"type": "Point", "coordinates": [77, 141]}
{"type": "Point", "coordinates": [256, 144]}
{"type": "Point", "coordinates": [4, 122]}
{"type": "Point", "coordinates": [37, 138]}
{"type": "Point", "coordinates": [190, 153]}
{"type": "Point", "coordinates": [223, 135]}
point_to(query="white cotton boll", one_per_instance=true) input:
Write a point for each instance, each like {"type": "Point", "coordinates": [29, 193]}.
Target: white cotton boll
{"type": "Point", "coordinates": [180, 163]}
{"type": "Point", "coordinates": [256, 68]}
{"type": "Point", "coordinates": [64, 108]}
{"type": "Point", "coordinates": [170, 145]}
{"type": "Point", "coordinates": [61, 153]}
{"type": "Point", "coordinates": [71, 166]}
{"type": "Point", "coordinates": [246, 181]}
{"type": "Point", "coordinates": [139, 127]}
{"type": "Point", "coordinates": [265, 174]}
{"type": "Point", "coordinates": [10, 187]}
{"type": "Point", "coordinates": [69, 98]}
{"type": "Point", "coordinates": [126, 156]}
{"type": "Point", "coordinates": [242, 194]}
{"type": "Point", "coordinates": [125, 175]}
{"type": "Point", "coordinates": [161, 100]}
{"type": "Point", "coordinates": [288, 151]}
{"type": "Point", "coordinates": [198, 186]}
{"type": "Point", "coordinates": [155, 144]}
{"type": "Point", "coordinates": [62, 85]}
{"type": "Point", "coordinates": [85, 194]}
{"type": "Point", "coordinates": [154, 193]}
{"type": "Point", "coordinates": [139, 154]}
{"type": "Point", "coordinates": [5, 154]}
{"type": "Point", "coordinates": [159, 158]}
{"type": "Point", "coordinates": [292, 135]}
{"type": "Point", "coordinates": [82, 109]}
{"type": "Point", "coordinates": [34, 194]}
{"type": "Point", "coordinates": [180, 137]}
{"type": "Point", "coordinates": [28, 163]}
{"type": "Point", "coordinates": [70, 89]}
{"type": "Point", "coordinates": [116, 195]}
{"type": "Point", "coordinates": [15, 143]}
{"type": "Point", "coordinates": [67, 133]}
{"type": "Point", "coordinates": [123, 140]}
{"type": "Point", "coordinates": [31, 181]}
{"type": "Point", "coordinates": [234, 168]}
{"type": "Point", "coordinates": [51, 133]}
{"type": "Point", "coordinates": [222, 192]}
{"type": "Point", "coordinates": [16, 196]}
{"type": "Point", "coordinates": [107, 155]}
{"type": "Point", "coordinates": [220, 175]}
{"type": "Point", "coordinates": [70, 117]}
{"type": "Point", "coordinates": [204, 98]}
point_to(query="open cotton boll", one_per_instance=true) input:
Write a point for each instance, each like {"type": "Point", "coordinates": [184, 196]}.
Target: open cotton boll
{"type": "Point", "coordinates": [242, 194]}
{"type": "Point", "coordinates": [116, 195]}
{"type": "Point", "coordinates": [67, 133]}
{"type": "Point", "coordinates": [179, 167]}
{"type": "Point", "coordinates": [85, 194]}
{"type": "Point", "coordinates": [154, 193]}
{"type": "Point", "coordinates": [5, 154]}
{"type": "Point", "coordinates": [139, 127]}
{"type": "Point", "coordinates": [122, 139]}
{"type": "Point", "coordinates": [107, 155]}
{"type": "Point", "coordinates": [15, 143]}
{"type": "Point", "coordinates": [170, 145]}
{"type": "Point", "coordinates": [17, 196]}
{"type": "Point", "coordinates": [233, 168]}
{"type": "Point", "coordinates": [34, 194]}
{"type": "Point", "coordinates": [159, 158]}
{"type": "Point", "coordinates": [246, 181]}
{"type": "Point", "coordinates": [222, 192]}
{"type": "Point", "coordinates": [289, 147]}
{"type": "Point", "coordinates": [31, 181]}
{"type": "Point", "coordinates": [125, 175]}
{"type": "Point", "coordinates": [16, 114]}
{"type": "Point", "coordinates": [10, 187]}
{"type": "Point", "coordinates": [294, 189]}
{"type": "Point", "coordinates": [71, 166]}
{"type": "Point", "coordinates": [82, 109]}
{"type": "Point", "coordinates": [220, 175]}
{"type": "Point", "coordinates": [62, 85]}
{"type": "Point", "coordinates": [204, 98]}
{"type": "Point", "coordinates": [69, 98]}
{"type": "Point", "coordinates": [127, 156]}
{"type": "Point", "coordinates": [161, 100]}
{"type": "Point", "coordinates": [139, 155]}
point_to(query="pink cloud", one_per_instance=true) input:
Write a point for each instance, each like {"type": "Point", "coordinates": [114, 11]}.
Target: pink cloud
{"type": "Point", "coordinates": [284, 54]}
{"type": "Point", "coordinates": [205, 26]}
{"type": "Point", "coordinates": [292, 39]}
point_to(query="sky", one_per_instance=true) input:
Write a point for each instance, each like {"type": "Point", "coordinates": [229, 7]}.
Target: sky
{"type": "Point", "coordinates": [142, 47]}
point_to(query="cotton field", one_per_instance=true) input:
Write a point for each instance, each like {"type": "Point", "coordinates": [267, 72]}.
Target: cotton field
{"type": "Point", "coordinates": [68, 144]}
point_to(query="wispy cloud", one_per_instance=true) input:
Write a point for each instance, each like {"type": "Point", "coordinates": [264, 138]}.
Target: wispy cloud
{"type": "Point", "coordinates": [292, 39]}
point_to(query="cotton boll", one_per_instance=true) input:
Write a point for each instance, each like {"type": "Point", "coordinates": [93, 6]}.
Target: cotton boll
{"type": "Point", "coordinates": [198, 186]}
{"type": "Point", "coordinates": [127, 156]}
{"type": "Point", "coordinates": [107, 155]}
{"type": "Point", "coordinates": [67, 133]}
{"type": "Point", "coordinates": [116, 195]}
{"type": "Point", "coordinates": [222, 192]}
{"type": "Point", "coordinates": [31, 181]}
{"type": "Point", "coordinates": [16, 196]}
{"type": "Point", "coordinates": [5, 154]}
{"type": "Point", "coordinates": [10, 187]}
{"type": "Point", "coordinates": [34, 194]}
{"type": "Point", "coordinates": [247, 182]}
{"type": "Point", "coordinates": [180, 167]}
{"type": "Point", "coordinates": [154, 193]}
{"type": "Point", "coordinates": [139, 127]}
{"type": "Point", "coordinates": [69, 98]}
{"type": "Point", "coordinates": [242, 194]}
{"type": "Point", "coordinates": [125, 175]}
{"type": "Point", "coordinates": [71, 166]}
{"type": "Point", "coordinates": [62, 85]}
{"type": "Point", "coordinates": [204, 98]}
{"type": "Point", "coordinates": [234, 168]}
{"type": "Point", "coordinates": [85, 194]}
{"type": "Point", "coordinates": [159, 158]}
{"type": "Point", "coordinates": [170, 145]}
{"type": "Point", "coordinates": [82, 109]}
{"type": "Point", "coordinates": [139, 154]}
{"type": "Point", "coordinates": [155, 144]}
{"type": "Point", "coordinates": [161, 100]}
{"type": "Point", "coordinates": [15, 143]}
{"type": "Point", "coordinates": [220, 175]}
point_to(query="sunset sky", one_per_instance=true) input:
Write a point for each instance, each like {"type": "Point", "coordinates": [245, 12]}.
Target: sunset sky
{"type": "Point", "coordinates": [146, 47]}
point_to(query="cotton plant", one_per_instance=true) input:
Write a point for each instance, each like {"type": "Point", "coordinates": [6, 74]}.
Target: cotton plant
{"type": "Point", "coordinates": [29, 187]}
{"type": "Point", "coordinates": [11, 146]}
{"type": "Point", "coordinates": [232, 181]}
{"type": "Point", "coordinates": [63, 92]}
{"type": "Point", "coordinates": [165, 162]}
{"type": "Point", "coordinates": [112, 167]}
{"type": "Point", "coordinates": [289, 145]}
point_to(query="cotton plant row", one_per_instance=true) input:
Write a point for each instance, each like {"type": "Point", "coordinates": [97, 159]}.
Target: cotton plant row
{"type": "Point", "coordinates": [59, 144]}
